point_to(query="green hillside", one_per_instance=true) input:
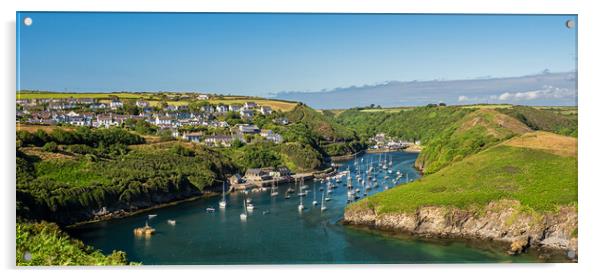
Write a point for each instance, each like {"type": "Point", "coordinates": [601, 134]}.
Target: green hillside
{"type": "Point", "coordinates": [63, 183]}
{"type": "Point", "coordinates": [476, 131]}
{"type": "Point", "coordinates": [419, 123]}
{"type": "Point", "coordinates": [537, 169]}
{"type": "Point", "coordinates": [330, 137]}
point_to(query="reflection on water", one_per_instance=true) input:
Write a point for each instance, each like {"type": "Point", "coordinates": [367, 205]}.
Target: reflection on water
{"type": "Point", "coordinates": [276, 232]}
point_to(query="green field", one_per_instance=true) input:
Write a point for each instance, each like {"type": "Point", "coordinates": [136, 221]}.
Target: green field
{"type": "Point", "coordinates": [155, 98]}
{"type": "Point", "coordinates": [541, 178]}
{"type": "Point", "coordinates": [85, 95]}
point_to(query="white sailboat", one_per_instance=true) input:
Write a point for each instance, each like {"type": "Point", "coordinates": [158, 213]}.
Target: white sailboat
{"type": "Point", "coordinates": [243, 215]}
{"type": "Point", "coordinates": [274, 191]}
{"type": "Point", "coordinates": [301, 207]}
{"type": "Point", "coordinates": [315, 202]}
{"type": "Point", "coordinates": [222, 203]}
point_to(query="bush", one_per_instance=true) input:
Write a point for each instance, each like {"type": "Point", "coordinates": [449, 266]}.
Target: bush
{"type": "Point", "coordinates": [51, 147]}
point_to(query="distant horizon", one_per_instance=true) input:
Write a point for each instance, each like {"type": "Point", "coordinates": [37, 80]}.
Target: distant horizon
{"type": "Point", "coordinates": [286, 91]}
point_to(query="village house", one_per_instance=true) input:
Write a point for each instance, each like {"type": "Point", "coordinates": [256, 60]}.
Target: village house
{"type": "Point", "coordinates": [379, 138]}
{"type": "Point", "coordinates": [208, 109]}
{"type": "Point", "coordinates": [247, 129]}
{"type": "Point", "coordinates": [250, 105]}
{"type": "Point", "coordinates": [115, 104]}
{"type": "Point", "coordinates": [245, 113]}
{"type": "Point", "coordinates": [96, 106]}
{"type": "Point", "coordinates": [105, 120]}
{"type": "Point", "coordinates": [79, 121]}
{"type": "Point", "coordinates": [234, 107]}
{"type": "Point", "coordinates": [193, 136]}
{"type": "Point", "coordinates": [281, 121]}
{"type": "Point", "coordinates": [170, 108]}
{"type": "Point", "coordinates": [221, 109]}
{"type": "Point", "coordinates": [265, 110]}
{"type": "Point", "coordinates": [142, 103]}
{"type": "Point", "coordinates": [22, 101]}
{"type": "Point", "coordinates": [255, 174]}
{"type": "Point", "coordinates": [164, 121]}
{"type": "Point", "coordinates": [85, 101]}
{"type": "Point", "coordinates": [120, 119]}
{"type": "Point", "coordinates": [219, 140]}
{"type": "Point", "coordinates": [60, 106]}
{"type": "Point", "coordinates": [202, 97]}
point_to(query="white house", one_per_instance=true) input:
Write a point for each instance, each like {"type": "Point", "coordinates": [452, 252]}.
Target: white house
{"type": "Point", "coordinates": [221, 109]}
{"type": "Point", "coordinates": [192, 136]}
{"type": "Point", "coordinates": [248, 129]}
{"type": "Point", "coordinates": [202, 97]}
{"type": "Point", "coordinates": [250, 105]}
{"type": "Point", "coordinates": [265, 110]}
{"type": "Point", "coordinates": [245, 113]}
{"type": "Point", "coordinates": [104, 120]}
{"type": "Point", "coordinates": [142, 103]}
{"type": "Point", "coordinates": [116, 104]}
{"type": "Point", "coordinates": [234, 107]}
{"type": "Point", "coordinates": [219, 140]}
{"type": "Point", "coordinates": [163, 121]}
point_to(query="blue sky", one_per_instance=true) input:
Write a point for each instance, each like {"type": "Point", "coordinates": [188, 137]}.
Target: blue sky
{"type": "Point", "coordinates": [262, 54]}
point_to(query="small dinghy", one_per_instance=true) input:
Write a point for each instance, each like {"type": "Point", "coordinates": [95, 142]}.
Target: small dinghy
{"type": "Point", "coordinates": [171, 222]}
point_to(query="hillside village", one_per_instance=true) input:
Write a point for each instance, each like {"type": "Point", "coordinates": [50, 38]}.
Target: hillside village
{"type": "Point", "coordinates": [179, 121]}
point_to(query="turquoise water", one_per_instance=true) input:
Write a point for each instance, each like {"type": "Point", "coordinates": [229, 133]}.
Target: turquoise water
{"type": "Point", "coordinates": [282, 236]}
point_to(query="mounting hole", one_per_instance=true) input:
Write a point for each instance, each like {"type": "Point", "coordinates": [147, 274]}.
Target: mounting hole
{"type": "Point", "coordinates": [570, 24]}
{"type": "Point", "coordinates": [27, 21]}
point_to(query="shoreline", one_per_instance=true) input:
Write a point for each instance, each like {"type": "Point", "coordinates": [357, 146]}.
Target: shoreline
{"type": "Point", "coordinates": [500, 221]}
{"type": "Point", "coordinates": [544, 254]}
{"type": "Point", "coordinates": [125, 214]}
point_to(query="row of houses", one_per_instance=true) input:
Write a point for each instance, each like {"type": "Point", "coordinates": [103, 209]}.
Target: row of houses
{"type": "Point", "coordinates": [268, 173]}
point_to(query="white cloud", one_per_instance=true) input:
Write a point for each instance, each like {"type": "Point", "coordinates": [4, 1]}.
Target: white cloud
{"type": "Point", "coordinates": [547, 92]}
{"type": "Point", "coordinates": [463, 98]}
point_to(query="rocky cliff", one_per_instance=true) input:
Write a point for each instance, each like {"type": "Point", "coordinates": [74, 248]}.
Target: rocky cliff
{"type": "Point", "coordinates": [502, 221]}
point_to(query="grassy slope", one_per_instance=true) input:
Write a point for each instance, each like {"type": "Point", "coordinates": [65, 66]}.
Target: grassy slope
{"type": "Point", "coordinates": [538, 169]}
{"type": "Point", "coordinates": [475, 132]}
{"type": "Point", "coordinates": [48, 245]}
{"type": "Point", "coordinates": [558, 120]}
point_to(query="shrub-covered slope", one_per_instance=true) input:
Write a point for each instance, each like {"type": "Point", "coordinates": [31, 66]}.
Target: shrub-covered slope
{"type": "Point", "coordinates": [40, 244]}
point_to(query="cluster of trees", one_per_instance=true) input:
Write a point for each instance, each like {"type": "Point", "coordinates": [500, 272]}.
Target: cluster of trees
{"type": "Point", "coordinates": [81, 135]}
{"type": "Point", "coordinates": [544, 119]}
{"type": "Point", "coordinates": [420, 123]}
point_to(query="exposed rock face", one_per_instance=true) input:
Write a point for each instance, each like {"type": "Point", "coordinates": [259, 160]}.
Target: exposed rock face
{"type": "Point", "coordinates": [500, 221]}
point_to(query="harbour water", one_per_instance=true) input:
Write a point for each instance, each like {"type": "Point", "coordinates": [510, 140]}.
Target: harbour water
{"type": "Point", "coordinates": [276, 232]}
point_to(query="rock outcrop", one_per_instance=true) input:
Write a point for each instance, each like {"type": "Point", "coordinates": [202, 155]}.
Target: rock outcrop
{"type": "Point", "coordinates": [500, 221]}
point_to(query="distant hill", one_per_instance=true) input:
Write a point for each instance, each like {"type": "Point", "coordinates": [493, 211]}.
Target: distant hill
{"type": "Point", "coordinates": [539, 89]}
{"type": "Point", "coordinates": [449, 133]}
